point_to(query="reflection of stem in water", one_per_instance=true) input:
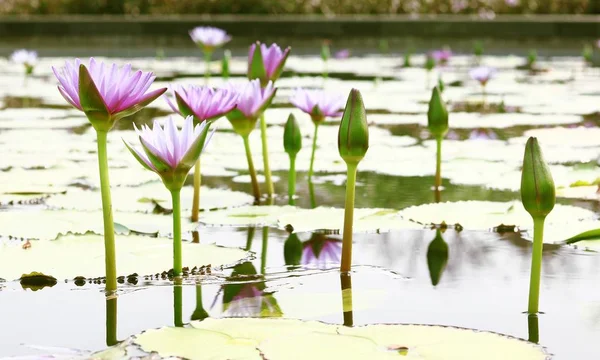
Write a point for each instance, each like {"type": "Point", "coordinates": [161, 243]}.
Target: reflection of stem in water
{"type": "Point", "coordinates": [255, 188]}
{"type": "Point", "coordinates": [348, 218]}
{"type": "Point", "coordinates": [292, 180]}
{"type": "Point", "coordinates": [265, 154]}
{"type": "Point", "coordinates": [196, 237]}
{"type": "Point", "coordinates": [312, 156]}
{"type": "Point", "coordinates": [536, 265]}
{"type": "Point", "coordinates": [533, 327]}
{"type": "Point", "coordinates": [177, 303]}
{"type": "Point", "coordinates": [346, 281]}
{"type": "Point", "coordinates": [196, 198]}
{"type": "Point", "coordinates": [111, 321]}
{"type": "Point", "coordinates": [199, 312]}
{"type": "Point", "coordinates": [263, 254]}
{"type": "Point", "coordinates": [437, 194]}
{"type": "Point", "coordinates": [250, 238]}
{"type": "Point", "coordinates": [311, 193]}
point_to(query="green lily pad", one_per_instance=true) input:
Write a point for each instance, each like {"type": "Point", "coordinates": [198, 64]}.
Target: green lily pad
{"type": "Point", "coordinates": [332, 219]}
{"type": "Point", "coordinates": [246, 216]}
{"type": "Point", "coordinates": [85, 253]}
{"type": "Point", "coordinates": [288, 338]}
{"type": "Point", "coordinates": [484, 215]}
{"type": "Point", "coordinates": [579, 192]}
{"type": "Point", "coordinates": [49, 224]}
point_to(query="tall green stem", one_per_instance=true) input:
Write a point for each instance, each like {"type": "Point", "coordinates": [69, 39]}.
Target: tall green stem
{"type": "Point", "coordinates": [176, 232]}
{"type": "Point", "coordinates": [484, 96]}
{"type": "Point", "coordinates": [438, 163]}
{"type": "Point", "coordinates": [346, 282]}
{"type": "Point", "coordinates": [177, 303]}
{"type": "Point", "coordinates": [348, 219]}
{"type": "Point", "coordinates": [263, 253]}
{"type": "Point", "coordinates": [249, 238]}
{"type": "Point", "coordinates": [251, 169]}
{"type": "Point", "coordinates": [311, 194]}
{"type": "Point", "coordinates": [111, 321]}
{"type": "Point", "coordinates": [196, 198]}
{"type": "Point", "coordinates": [536, 265]}
{"type": "Point", "coordinates": [312, 155]}
{"type": "Point", "coordinates": [292, 180]}
{"type": "Point", "coordinates": [265, 153]}
{"type": "Point", "coordinates": [207, 57]}
{"type": "Point", "coordinates": [109, 229]}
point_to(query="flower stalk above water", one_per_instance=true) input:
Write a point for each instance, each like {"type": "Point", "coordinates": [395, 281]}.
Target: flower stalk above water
{"type": "Point", "coordinates": [483, 74]}
{"type": "Point", "coordinates": [325, 56]}
{"type": "Point", "coordinates": [105, 94]}
{"type": "Point", "coordinates": [292, 143]}
{"type": "Point", "coordinates": [171, 154]}
{"type": "Point", "coordinates": [203, 104]}
{"type": "Point", "coordinates": [209, 38]}
{"type": "Point", "coordinates": [437, 122]}
{"type": "Point", "coordinates": [353, 143]}
{"type": "Point", "coordinates": [319, 105]}
{"type": "Point", "coordinates": [538, 195]}
{"type": "Point", "coordinates": [252, 101]}
{"type": "Point", "coordinates": [266, 64]}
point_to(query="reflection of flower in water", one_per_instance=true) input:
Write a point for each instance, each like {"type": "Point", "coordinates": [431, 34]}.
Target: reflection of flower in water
{"type": "Point", "coordinates": [321, 252]}
{"type": "Point", "coordinates": [482, 134]}
{"type": "Point", "coordinates": [251, 301]}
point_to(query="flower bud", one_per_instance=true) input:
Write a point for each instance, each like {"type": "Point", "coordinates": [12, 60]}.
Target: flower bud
{"type": "Point", "coordinates": [537, 187]}
{"type": "Point", "coordinates": [429, 63]}
{"type": "Point", "coordinates": [292, 138]}
{"type": "Point", "coordinates": [437, 115]}
{"type": "Point", "coordinates": [325, 52]}
{"type": "Point", "coordinates": [353, 136]}
{"type": "Point", "coordinates": [225, 64]}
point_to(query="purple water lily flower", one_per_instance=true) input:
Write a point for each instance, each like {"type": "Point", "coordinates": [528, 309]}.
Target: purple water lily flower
{"type": "Point", "coordinates": [482, 74]}
{"type": "Point", "coordinates": [482, 134]}
{"type": "Point", "coordinates": [342, 54]}
{"type": "Point", "coordinates": [266, 62]}
{"type": "Point", "coordinates": [106, 93]}
{"type": "Point", "coordinates": [252, 99]}
{"type": "Point", "coordinates": [201, 102]}
{"type": "Point", "coordinates": [209, 37]}
{"type": "Point", "coordinates": [169, 152]}
{"type": "Point", "coordinates": [318, 104]}
{"type": "Point", "coordinates": [28, 58]}
{"type": "Point", "coordinates": [321, 252]}
{"type": "Point", "coordinates": [511, 3]}
{"type": "Point", "coordinates": [441, 56]}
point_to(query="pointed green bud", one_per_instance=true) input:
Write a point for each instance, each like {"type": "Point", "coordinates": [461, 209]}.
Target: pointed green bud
{"type": "Point", "coordinates": [531, 57]}
{"type": "Point", "coordinates": [353, 136]}
{"type": "Point", "coordinates": [407, 63]}
{"type": "Point", "coordinates": [441, 84]}
{"type": "Point", "coordinates": [225, 64]}
{"type": "Point", "coordinates": [429, 63]}
{"type": "Point", "coordinates": [292, 138]}
{"type": "Point", "coordinates": [437, 257]}
{"type": "Point", "coordinates": [537, 187]}
{"type": "Point", "coordinates": [478, 48]}
{"type": "Point", "coordinates": [437, 115]}
{"type": "Point", "coordinates": [325, 52]}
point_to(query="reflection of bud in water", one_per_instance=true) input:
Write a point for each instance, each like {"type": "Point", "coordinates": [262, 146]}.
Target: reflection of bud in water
{"type": "Point", "coordinates": [437, 257]}
{"type": "Point", "coordinates": [292, 250]}
{"type": "Point", "coordinates": [248, 299]}
{"type": "Point", "coordinates": [321, 252]}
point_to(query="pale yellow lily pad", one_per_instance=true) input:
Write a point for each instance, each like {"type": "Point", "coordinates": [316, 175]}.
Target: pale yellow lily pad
{"type": "Point", "coordinates": [83, 255]}
{"type": "Point", "coordinates": [246, 216]}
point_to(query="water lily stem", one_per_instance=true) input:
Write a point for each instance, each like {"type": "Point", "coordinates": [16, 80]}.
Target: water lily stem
{"type": "Point", "coordinates": [178, 303]}
{"type": "Point", "coordinates": [251, 169]}
{"type": "Point", "coordinates": [207, 58]}
{"type": "Point", "coordinates": [249, 238]}
{"type": "Point", "coordinates": [176, 232]}
{"type": "Point", "coordinates": [536, 265]}
{"type": "Point", "coordinates": [438, 163]}
{"type": "Point", "coordinates": [346, 282]}
{"type": "Point", "coordinates": [109, 228]}
{"type": "Point", "coordinates": [265, 153]}
{"type": "Point", "coordinates": [292, 180]}
{"type": "Point", "coordinates": [533, 328]}
{"type": "Point", "coordinates": [196, 198]}
{"type": "Point", "coordinates": [263, 253]}
{"type": "Point", "coordinates": [111, 321]}
{"type": "Point", "coordinates": [312, 155]}
{"type": "Point", "coordinates": [348, 218]}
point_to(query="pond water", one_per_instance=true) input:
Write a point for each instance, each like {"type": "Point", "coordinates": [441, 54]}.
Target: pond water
{"type": "Point", "coordinates": [49, 186]}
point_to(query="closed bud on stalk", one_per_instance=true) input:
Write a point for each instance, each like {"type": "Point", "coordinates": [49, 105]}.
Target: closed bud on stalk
{"type": "Point", "coordinates": [292, 138]}
{"type": "Point", "coordinates": [437, 115]}
{"type": "Point", "coordinates": [429, 63]}
{"type": "Point", "coordinates": [325, 52]}
{"type": "Point", "coordinates": [353, 136]}
{"type": "Point", "coordinates": [537, 186]}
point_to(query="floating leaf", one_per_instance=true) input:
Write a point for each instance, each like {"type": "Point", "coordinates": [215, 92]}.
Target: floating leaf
{"type": "Point", "coordinates": [85, 253]}
{"type": "Point", "coordinates": [246, 216]}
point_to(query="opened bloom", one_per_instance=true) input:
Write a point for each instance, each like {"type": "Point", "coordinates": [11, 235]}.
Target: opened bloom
{"type": "Point", "coordinates": [201, 102]}
{"type": "Point", "coordinates": [252, 101]}
{"type": "Point", "coordinates": [318, 104]}
{"type": "Point", "coordinates": [483, 74]}
{"type": "Point", "coordinates": [209, 37]}
{"type": "Point", "coordinates": [266, 62]}
{"type": "Point", "coordinates": [170, 152]}
{"type": "Point", "coordinates": [441, 56]}
{"type": "Point", "coordinates": [26, 57]}
{"type": "Point", "coordinates": [106, 93]}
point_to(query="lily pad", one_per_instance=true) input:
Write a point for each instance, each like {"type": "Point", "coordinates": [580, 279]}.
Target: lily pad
{"type": "Point", "coordinates": [85, 253]}
{"type": "Point", "coordinates": [289, 338]}
{"type": "Point", "coordinates": [246, 216]}
{"type": "Point", "coordinates": [484, 215]}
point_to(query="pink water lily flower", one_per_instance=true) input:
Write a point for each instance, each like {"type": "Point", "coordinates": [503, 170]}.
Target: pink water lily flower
{"type": "Point", "coordinates": [201, 102]}
{"type": "Point", "coordinates": [252, 101]}
{"type": "Point", "coordinates": [441, 56]}
{"type": "Point", "coordinates": [106, 93]}
{"type": "Point", "coordinates": [483, 74]}
{"type": "Point", "coordinates": [27, 58]}
{"type": "Point", "coordinates": [209, 37]}
{"type": "Point", "coordinates": [318, 104]}
{"type": "Point", "coordinates": [170, 152]}
{"type": "Point", "coordinates": [266, 62]}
